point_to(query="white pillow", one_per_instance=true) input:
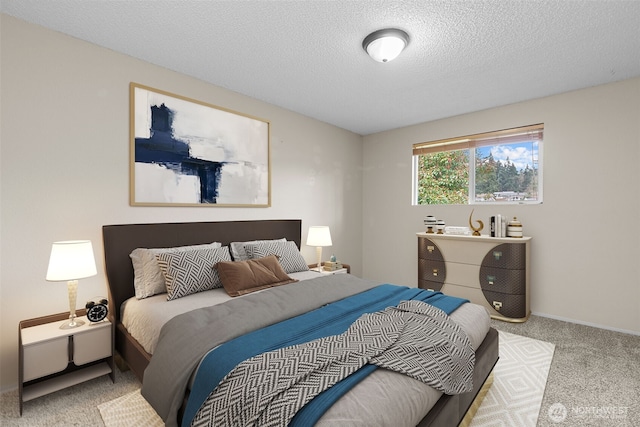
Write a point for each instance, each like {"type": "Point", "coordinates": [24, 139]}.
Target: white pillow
{"type": "Point", "coordinates": [287, 252]}
{"type": "Point", "coordinates": [148, 279]}
{"type": "Point", "coordinates": [238, 251]}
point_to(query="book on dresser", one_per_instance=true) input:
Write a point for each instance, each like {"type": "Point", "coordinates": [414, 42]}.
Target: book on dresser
{"type": "Point", "coordinates": [490, 271]}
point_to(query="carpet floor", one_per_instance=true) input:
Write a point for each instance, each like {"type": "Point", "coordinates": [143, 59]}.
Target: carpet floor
{"type": "Point", "coordinates": [73, 406]}
{"type": "Point", "coordinates": [594, 380]}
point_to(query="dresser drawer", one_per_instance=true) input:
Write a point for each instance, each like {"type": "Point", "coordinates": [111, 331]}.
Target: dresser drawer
{"type": "Point", "coordinates": [45, 358]}
{"type": "Point", "coordinates": [462, 274]}
{"type": "Point", "coordinates": [427, 249]}
{"type": "Point", "coordinates": [429, 285]}
{"type": "Point", "coordinates": [501, 280]}
{"type": "Point", "coordinates": [89, 347]}
{"type": "Point", "coordinates": [434, 271]}
{"type": "Point", "coordinates": [462, 252]}
{"type": "Point", "coordinates": [512, 256]}
{"type": "Point", "coordinates": [508, 305]}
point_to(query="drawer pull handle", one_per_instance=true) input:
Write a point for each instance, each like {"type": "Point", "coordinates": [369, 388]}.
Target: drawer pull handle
{"type": "Point", "coordinates": [70, 349]}
{"type": "Point", "coordinates": [435, 271]}
{"type": "Point", "coordinates": [431, 248]}
{"type": "Point", "coordinates": [497, 305]}
{"type": "Point", "coordinates": [491, 279]}
{"type": "Point", "coordinates": [497, 255]}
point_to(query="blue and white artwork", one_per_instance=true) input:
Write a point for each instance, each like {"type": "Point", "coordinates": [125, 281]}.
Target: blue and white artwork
{"type": "Point", "coordinates": [190, 153]}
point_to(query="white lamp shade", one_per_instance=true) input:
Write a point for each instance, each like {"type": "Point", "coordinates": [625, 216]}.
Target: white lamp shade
{"type": "Point", "coordinates": [71, 260]}
{"type": "Point", "coordinates": [319, 235]}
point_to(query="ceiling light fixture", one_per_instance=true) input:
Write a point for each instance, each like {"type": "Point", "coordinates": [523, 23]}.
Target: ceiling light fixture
{"type": "Point", "coordinates": [385, 45]}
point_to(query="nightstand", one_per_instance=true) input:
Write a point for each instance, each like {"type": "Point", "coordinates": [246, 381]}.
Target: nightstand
{"type": "Point", "coordinates": [346, 268]}
{"type": "Point", "coordinates": [52, 358]}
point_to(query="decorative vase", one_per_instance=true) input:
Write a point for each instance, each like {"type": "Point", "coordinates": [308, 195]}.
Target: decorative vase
{"type": "Point", "coordinates": [514, 228]}
{"type": "Point", "coordinates": [430, 221]}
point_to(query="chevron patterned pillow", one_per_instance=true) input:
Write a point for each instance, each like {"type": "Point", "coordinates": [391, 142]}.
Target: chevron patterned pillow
{"type": "Point", "coordinates": [148, 279]}
{"type": "Point", "coordinates": [287, 253]}
{"type": "Point", "coordinates": [189, 272]}
{"type": "Point", "coordinates": [238, 252]}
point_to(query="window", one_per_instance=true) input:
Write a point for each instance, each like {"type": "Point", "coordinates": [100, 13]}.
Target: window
{"type": "Point", "coordinates": [493, 167]}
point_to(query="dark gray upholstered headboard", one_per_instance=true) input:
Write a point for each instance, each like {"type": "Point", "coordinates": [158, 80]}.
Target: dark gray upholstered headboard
{"type": "Point", "coordinates": [120, 240]}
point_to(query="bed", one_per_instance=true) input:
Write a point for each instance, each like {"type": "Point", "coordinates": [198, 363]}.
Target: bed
{"type": "Point", "coordinates": [121, 240]}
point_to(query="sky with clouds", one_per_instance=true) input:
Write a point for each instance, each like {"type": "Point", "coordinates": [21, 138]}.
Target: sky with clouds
{"type": "Point", "coordinates": [520, 154]}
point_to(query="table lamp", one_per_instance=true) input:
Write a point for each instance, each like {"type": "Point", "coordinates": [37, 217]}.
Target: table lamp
{"type": "Point", "coordinates": [71, 260]}
{"type": "Point", "coordinates": [319, 236]}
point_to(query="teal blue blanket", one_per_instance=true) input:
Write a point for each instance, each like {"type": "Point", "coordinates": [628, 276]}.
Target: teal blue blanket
{"type": "Point", "coordinates": [331, 319]}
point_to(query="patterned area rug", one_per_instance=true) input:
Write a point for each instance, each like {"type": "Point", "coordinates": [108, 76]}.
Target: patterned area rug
{"type": "Point", "coordinates": [520, 377]}
{"type": "Point", "coordinates": [130, 410]}
{"type": "Point", "coordinates": [514, 399]}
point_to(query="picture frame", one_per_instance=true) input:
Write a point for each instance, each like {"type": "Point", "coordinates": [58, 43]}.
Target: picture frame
{"type": "Point", "coordinates": [186, 152]}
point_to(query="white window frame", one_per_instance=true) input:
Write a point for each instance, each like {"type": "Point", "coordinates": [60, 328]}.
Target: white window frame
{"type": "Point", "coordinates": [471, 142]}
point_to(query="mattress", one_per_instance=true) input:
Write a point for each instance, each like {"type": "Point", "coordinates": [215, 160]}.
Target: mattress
{"type": "Point", "coordinates": [144, 318]}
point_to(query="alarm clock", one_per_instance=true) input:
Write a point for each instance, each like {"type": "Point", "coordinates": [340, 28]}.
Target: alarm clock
{"type": "Point", "coordinates": [97, 310]}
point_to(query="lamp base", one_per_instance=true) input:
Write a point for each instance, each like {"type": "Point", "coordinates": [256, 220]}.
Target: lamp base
{"type": "Point", "coordinates": [319, 255]}
{"type": "Point", "coordinates": [72, 288]}
{"type": "Point", "coordinates": [72, 323]}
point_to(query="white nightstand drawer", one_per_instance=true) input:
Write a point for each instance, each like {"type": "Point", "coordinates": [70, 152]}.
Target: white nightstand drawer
{"type": "Point", "coordinates": [338, 271]}
{"type": "Point", "coordinates": [45, 358]}
{"type": "Point", "coordinates": [96, 345]}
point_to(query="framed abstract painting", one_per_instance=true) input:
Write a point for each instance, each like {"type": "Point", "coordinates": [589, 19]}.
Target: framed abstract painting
{"type": "Point", "coordinates": [189, 153]}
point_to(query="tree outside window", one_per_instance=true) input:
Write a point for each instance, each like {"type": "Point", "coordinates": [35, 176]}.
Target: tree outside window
{"type": "Point", "coordinates": [495, 167]}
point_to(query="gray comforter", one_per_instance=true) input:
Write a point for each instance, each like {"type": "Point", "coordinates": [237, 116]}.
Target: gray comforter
{"type": "Point", "coordinates": [185, 339]}
{"type": "Point", "coordinates": [414, 338]}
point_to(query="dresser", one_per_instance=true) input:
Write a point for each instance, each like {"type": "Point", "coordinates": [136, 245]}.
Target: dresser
{"type": "Point", "coordinates": [489, 271]}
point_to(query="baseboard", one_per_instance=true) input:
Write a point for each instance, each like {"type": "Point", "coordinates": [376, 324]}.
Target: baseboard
{"type": "Point", "coordinates": [8, 389]}
{"type": "Point", "coordinates": [593, 325]}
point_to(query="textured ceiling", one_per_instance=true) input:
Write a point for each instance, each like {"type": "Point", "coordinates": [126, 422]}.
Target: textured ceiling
{"type": "Point", "coordinates": [307, 55]}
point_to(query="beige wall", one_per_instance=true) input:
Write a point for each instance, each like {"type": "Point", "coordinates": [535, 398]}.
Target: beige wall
{"type": "Point", "coordinates": [65, 167]}
{"type": "Point", "coordinates": [586, 234]}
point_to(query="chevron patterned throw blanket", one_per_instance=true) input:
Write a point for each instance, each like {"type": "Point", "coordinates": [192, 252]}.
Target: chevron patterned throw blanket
{"type": "Point", "coordinates": [413, 338]}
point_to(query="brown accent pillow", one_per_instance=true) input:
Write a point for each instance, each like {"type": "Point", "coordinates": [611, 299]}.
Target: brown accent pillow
{"type": "Point", "coordinates": [243, 277]}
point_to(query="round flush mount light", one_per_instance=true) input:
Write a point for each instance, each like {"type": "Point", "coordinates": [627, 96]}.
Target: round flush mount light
{"type": "Point", "coordinates": [385, 45]}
